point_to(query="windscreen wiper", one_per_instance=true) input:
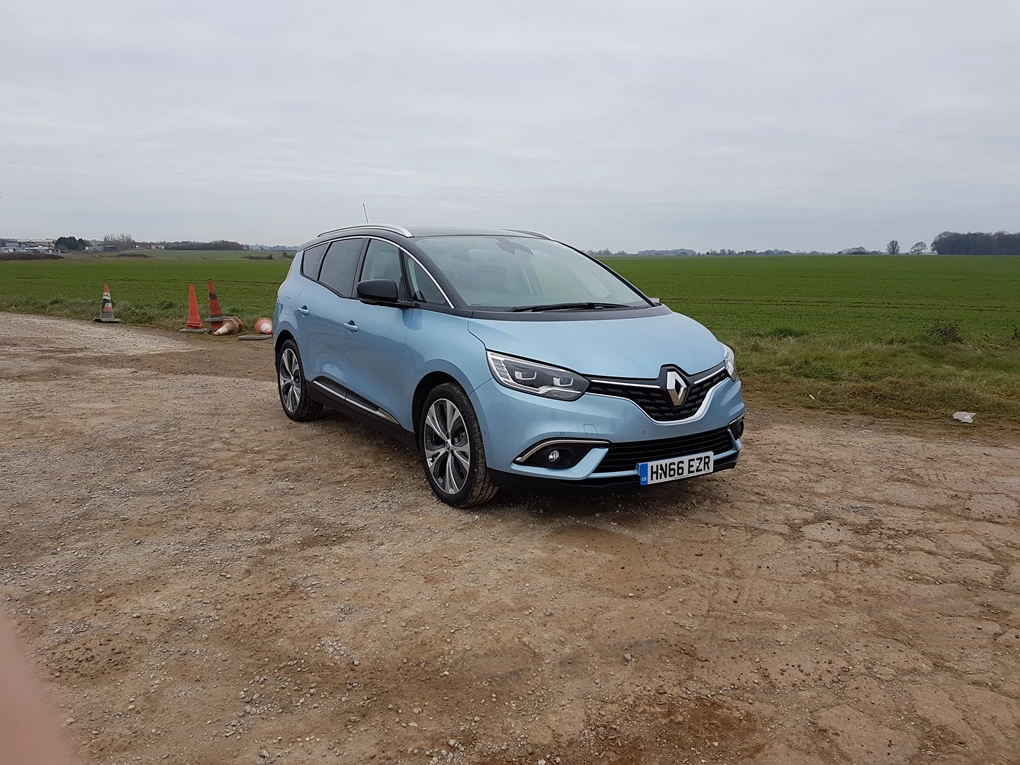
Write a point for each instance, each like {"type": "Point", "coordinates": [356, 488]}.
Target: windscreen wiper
{"type": "Point", "coordinates": [565, 306]}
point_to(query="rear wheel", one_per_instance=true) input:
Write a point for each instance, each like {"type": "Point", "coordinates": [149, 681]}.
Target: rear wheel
{"type": "Point", "coordinates": [452, 452]}
{"type": "Point", "coordinates": [292, 385]}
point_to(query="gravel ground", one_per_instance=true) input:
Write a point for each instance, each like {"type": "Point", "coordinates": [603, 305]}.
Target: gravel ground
{"type": "Point", "coordinates": [201, 580]}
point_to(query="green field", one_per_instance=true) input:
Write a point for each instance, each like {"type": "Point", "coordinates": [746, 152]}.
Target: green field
{"type": "Point", "coordinates": [853, 331]}
{"type": "Point", "coordinates": [850, 331]}
{"type": "Point", "coordinates": [151, 291]}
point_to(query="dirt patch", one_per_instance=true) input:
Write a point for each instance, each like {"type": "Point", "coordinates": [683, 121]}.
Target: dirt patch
{"type": "Point", "coordinates": [200, 579]}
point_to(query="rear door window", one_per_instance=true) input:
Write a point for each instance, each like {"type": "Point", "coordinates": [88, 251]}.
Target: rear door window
{"type": "Point", "coordinates": [340, 264]}
{"type": "Point", "coordinates": [312, 259]}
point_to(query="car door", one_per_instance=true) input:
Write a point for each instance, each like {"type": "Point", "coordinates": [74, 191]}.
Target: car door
{"type": "Point", "coordinates": [319, 309]}
{"type": "Point", "coordinates": [376, 365]}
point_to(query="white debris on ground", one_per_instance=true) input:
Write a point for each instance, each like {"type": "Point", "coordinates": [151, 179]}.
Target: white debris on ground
{"type": "Point", "coordinates": [964, 416]}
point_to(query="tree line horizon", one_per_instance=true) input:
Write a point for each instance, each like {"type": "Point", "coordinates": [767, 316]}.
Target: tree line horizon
{"type": "Point", "coordinates": [946, 243]}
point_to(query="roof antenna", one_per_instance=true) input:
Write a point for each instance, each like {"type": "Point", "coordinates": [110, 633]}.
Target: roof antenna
{"type": "Point", "coordinates": [366, 211]}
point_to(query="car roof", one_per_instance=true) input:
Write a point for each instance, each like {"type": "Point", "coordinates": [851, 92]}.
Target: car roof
{"type": "Point", "coordinates": [414, 232]}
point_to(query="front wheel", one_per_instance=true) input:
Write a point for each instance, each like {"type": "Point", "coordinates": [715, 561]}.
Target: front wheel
{"type": "Point", "coordinates": [452, 452]}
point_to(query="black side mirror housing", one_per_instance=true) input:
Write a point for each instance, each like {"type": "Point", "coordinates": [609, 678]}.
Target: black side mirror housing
{"type": "Point", "coordinates": [378, 291]}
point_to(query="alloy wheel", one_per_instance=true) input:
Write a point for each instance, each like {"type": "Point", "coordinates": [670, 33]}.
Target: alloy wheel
{"type": "Point", "coordinates": [447, 447]}
{"type": "Point", "coordinates": [290, 379]}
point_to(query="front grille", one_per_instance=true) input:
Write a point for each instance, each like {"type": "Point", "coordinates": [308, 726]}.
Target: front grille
{"type": "Point", "coordinates": [626, 456]}
{"type": "Point", "coordinates": [655, 402]}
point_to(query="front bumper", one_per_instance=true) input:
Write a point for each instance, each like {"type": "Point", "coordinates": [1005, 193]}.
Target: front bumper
{"type": "Point", "coordinates": [513, 422]}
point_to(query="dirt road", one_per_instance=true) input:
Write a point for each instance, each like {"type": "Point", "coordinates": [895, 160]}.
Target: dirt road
{"type": "Point", "coordinates": [201, 580]}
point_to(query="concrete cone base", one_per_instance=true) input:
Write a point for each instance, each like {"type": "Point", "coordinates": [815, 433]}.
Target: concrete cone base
{"type": "Point", "coordinates": [254, 337]}
{"type": "Point", "coordinates": [202, 331]}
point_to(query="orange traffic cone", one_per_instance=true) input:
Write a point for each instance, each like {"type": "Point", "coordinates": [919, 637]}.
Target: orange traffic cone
{"type": "Point", "coordinates": [106, 312]}
{"type": "Point", "coordinates": [194, 317]}
{"type": "Point", "coordinates": [216, 316]}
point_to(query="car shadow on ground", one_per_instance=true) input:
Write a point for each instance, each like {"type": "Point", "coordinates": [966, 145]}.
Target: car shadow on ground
{"type": "Point", "coordinates": [630, 505]}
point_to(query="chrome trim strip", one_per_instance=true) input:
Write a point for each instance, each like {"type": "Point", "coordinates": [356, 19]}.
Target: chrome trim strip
{"type": "Point", "coordinates": [621, 384]}
{"type": "Point", "coordinates": [445, 296]}
{"type": "Point", "coordinates": [626, 473]}
{"type": "Point", "coordinates": [350, 398]}
{"type": "Point", "coordinates": [362, 226]}
{"type": "Point", "coordinates": [553, 442]}
{"type": "Point", "coordinates": [340, 394]}
{"type": "Point", "coordinates": [697, 415]}
{"type": "Point", "coordinates": [710, 373]}
{"type": "Point", "coordinates": [380, 413]}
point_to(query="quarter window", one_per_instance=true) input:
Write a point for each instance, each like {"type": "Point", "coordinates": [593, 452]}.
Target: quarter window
{"type": "Point", "coordinates": [423, 289]}
{"type": "Point", "coordinates": [312, 259]}
{"type": "Point", "coordinates": [340, 264]}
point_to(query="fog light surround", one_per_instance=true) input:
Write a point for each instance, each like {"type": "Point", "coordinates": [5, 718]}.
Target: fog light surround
{"type": "Point", "coordinates": [559, 453]}
{"type": "Point", "coordinates": [737, 427]}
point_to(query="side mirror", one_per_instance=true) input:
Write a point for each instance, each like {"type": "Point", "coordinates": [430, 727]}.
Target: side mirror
{"type": "Point", "coordinates": [377, 291]}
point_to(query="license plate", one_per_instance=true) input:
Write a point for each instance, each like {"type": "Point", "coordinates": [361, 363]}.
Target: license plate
{"type": "Point", "coordinates": [675, 468]}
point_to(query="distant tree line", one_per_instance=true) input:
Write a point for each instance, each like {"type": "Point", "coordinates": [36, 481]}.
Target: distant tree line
{"type": "Point", "coordinates": [999, 243]}
{"type": "Point", "coordinates": [70, 244]}
{"type": "Point", "coordinates": [606, 253]}
{"type": "Point", "coordinates": [218, 244]}
{"type": "Point", "coordinates": [119, 242]}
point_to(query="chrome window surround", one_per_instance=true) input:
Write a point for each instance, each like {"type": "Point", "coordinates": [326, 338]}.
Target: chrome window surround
{"type": "Point", "coordinates": [446, 297]}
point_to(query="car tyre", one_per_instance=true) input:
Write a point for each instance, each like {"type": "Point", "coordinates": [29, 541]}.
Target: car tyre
{"type": "Point", "coordinates": [292, 386]}
{"type": "Point", "coordinates": [451, 448]}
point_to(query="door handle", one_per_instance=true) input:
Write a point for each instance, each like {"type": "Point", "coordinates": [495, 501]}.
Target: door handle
{"type": "Point", "coordinates": [351, 326]}
{"type": "Point", "coordinates": [303, 310]}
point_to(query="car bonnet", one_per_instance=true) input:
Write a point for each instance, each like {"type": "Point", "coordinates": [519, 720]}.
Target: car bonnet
{"type": "Point", "coordinates": [606, 346]}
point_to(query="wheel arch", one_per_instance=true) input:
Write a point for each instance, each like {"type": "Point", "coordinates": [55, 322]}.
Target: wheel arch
{"type": "Point", "coordinates": [421, 392]}
{"type": "Point", "coordinates": [281, 338]}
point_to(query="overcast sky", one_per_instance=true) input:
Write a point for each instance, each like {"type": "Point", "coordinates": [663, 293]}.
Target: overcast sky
{"type": "Point", "coordinates": [799, 124]}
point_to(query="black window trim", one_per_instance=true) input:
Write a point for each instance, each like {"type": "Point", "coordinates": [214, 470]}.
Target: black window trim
{"type": "Point", "coordinates": [400, 258]}
{"type": "Point", "coordinates": [304, 252]}
{"type": "Point", "coordinates": [361, 264]}
{"type": "Point", "coordinates": [357, 267]}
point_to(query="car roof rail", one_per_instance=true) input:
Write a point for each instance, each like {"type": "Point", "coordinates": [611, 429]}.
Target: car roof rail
{"type": "Point", "coordinates": [383, 226]}
{"type": "Point", "coordinates": [539, 234]}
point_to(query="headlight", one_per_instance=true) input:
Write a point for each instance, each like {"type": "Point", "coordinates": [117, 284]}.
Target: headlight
{"type": "Point", "coordinates": [731, 364]}
{"type": "Point", "coordinates": [539, 379]}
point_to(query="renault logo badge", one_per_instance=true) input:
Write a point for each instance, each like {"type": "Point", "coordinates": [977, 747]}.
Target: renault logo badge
{"type": "Point", "coordinates": [676, 387]}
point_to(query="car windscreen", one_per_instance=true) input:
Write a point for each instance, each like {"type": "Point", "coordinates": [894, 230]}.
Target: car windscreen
{"type": "Point", "coordinates": [508, 272]}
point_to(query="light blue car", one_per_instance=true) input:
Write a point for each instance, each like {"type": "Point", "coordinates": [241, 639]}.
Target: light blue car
{"type": "Point", "coordinates": [503, 356]}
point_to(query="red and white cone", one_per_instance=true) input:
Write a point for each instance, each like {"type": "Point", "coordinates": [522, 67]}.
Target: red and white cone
{"type": "Point", "coordinates": [231, 326]}
{"type": "Point", "coordinates": [106, 311]}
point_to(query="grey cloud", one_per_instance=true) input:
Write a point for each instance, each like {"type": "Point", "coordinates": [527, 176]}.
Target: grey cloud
{"type": "Point", "coordinates": [727, 124]}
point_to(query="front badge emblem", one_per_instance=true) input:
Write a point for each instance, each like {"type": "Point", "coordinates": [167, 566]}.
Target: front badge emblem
{"type": "Point", "coordinates": [676, 387]}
